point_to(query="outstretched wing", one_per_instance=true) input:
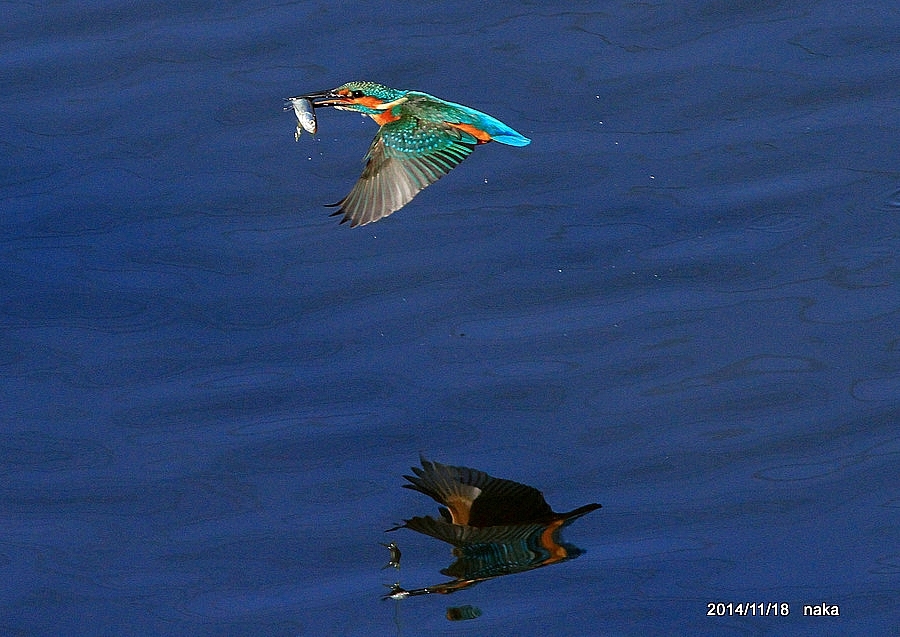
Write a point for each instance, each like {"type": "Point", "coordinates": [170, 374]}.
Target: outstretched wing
{"type": "Point", "coordinates": [406, 156]}
{"type": "Point", "coordinates": [475, 498]}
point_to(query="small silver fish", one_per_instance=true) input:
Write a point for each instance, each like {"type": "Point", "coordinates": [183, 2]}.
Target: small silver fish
{"type": "Point", "coordinates": [306, 116]}
{"type": "Point", "coordinates": [397, 592]}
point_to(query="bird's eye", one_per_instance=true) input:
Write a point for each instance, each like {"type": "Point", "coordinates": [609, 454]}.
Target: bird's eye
{"type": "Point", "coordinates": [357, 94]}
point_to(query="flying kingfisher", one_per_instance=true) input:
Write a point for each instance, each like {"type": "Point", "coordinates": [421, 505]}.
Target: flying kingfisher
{"type": "Point", "coordinates": [421, 139]}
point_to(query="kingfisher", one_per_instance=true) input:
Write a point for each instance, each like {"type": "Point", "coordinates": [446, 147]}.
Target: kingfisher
{"type": "Point", "coordinates": [421, 139]}
{"type": "Point", "coordinates": [496, 526]}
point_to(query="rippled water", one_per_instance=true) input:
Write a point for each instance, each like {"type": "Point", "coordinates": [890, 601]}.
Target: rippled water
{"type": "Point", "coordinates": [680, 301]}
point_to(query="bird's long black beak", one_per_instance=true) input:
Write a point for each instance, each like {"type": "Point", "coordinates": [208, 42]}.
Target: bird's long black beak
{"type": "Point", "coordinates": [321, 99]}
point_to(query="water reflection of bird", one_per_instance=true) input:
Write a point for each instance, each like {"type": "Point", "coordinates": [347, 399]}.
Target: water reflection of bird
{"type": "Point", "coordinates": [496, 526]}
{"type": "Point", "coordinates": [421, 139]}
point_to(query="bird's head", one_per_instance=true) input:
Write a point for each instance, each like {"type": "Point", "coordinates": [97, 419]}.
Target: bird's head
{"type": "Point", "coordinates": [363, 97]}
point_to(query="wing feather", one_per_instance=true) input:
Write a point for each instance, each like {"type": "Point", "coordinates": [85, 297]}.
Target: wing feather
{"type": "Point", "coordinates": [405, 157]}
{"type": "Point", "coordinates": [476, 498]}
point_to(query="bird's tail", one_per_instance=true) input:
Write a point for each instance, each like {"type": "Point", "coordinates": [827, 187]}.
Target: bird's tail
{"type": "Point", "coordinates": [502, 133]}
{"type": "Point", "coordinates": [510, 137]}
{"type": "Point", "coordinates": [573, 515]}
{"type": "Point", "coordinates": [498, 131]}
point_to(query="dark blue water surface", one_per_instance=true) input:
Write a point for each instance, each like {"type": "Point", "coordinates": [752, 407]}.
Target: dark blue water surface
{"type": "Point", "coordinates": [681, 301]}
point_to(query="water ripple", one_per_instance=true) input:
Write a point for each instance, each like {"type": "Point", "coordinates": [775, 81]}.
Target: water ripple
{"type": "Point", "coordinates": [892, 202]}
{"type": "Point", "coordinates": [39, 451]}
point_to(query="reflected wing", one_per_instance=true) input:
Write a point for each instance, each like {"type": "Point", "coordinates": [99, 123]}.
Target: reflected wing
{"type": "Point", "coordinates": [485, 552]}
{"type": "Point", "coordinates": [460, 536]}
{"type": "Point", "coordinates": [406, 156]}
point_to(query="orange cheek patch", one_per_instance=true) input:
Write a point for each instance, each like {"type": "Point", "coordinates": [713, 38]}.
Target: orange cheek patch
{"type": "Point", "coordinates": [371, 102]}
{"type": "Point", "coordinates": [480, 135]}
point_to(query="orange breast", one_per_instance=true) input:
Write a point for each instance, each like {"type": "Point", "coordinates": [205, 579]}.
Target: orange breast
{"type": "Point", "coordinates": [460, 508]}
{"type": "Point", "coordinates": [384, 117]}
{"type": "Point", "coordinates": [548, 542]}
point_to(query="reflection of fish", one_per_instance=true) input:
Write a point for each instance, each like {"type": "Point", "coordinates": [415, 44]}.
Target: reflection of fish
{"type": "Point", "coordinates": [397, 592]}
{"type": "Point", "coordinates": [395, 555]}
{"type": "Point", "coordinates": [306, 115]}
